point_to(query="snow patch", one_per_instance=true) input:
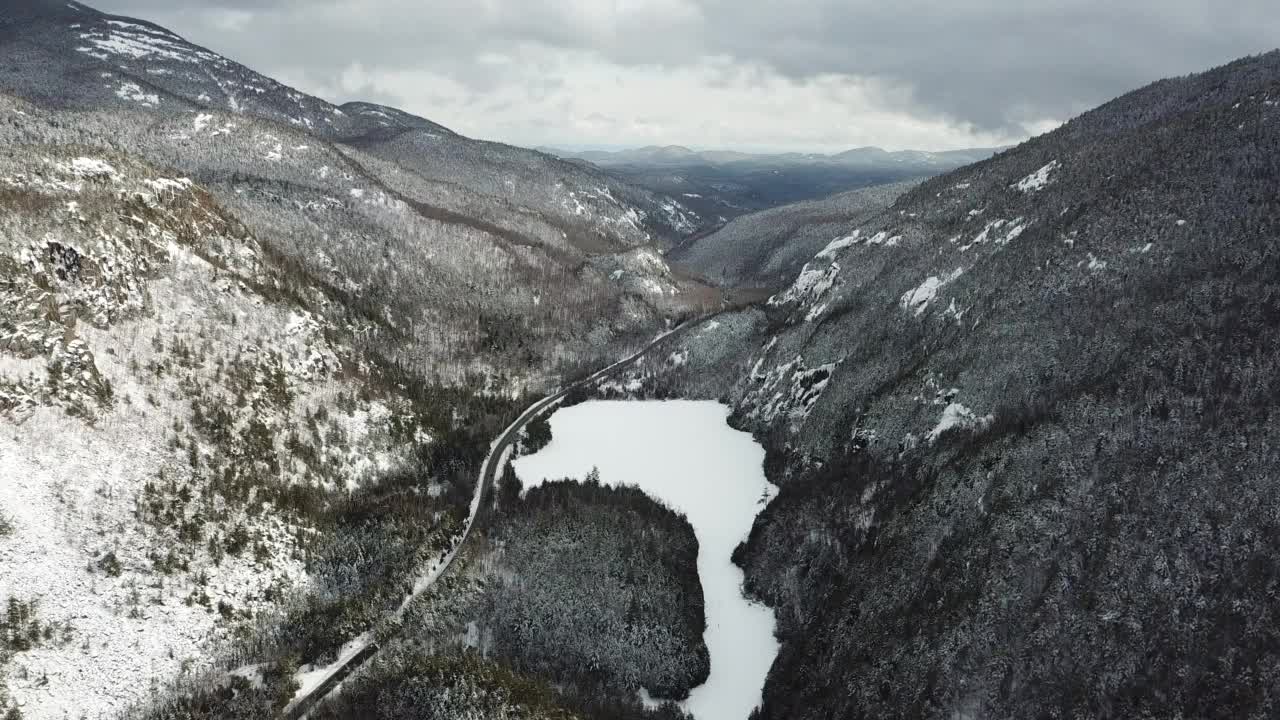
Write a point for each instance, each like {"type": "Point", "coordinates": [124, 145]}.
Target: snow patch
{"type": "Point", "coordinates": [168, 185]}
{"type": "Point", "coordinates": [88, 168]}
{"type": "Point", "coordinates": [790, 388]}
{"type": "Point", "coordinates": [251, 674]}
{"type": "Point", "coordinates": [140, 42]}
{"type": "Point", "coordinates": [958, 416]}
{"type": "Point", "coordinates": [310, 677]}
{"type": "Point", "coordinates": [917, 301]}
{"type": "Point", "coordinates": [132, 91]}
{"type": "Point", "coordinates": [1094, 262]}
{"type": "Point", "coordinates": [811, 284]}
{"type": "Point", "coordinates": [1036, 180]}
{"type": "Point", "coordinates": [678, 216]}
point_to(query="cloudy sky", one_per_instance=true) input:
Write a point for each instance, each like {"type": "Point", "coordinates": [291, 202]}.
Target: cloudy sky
{"type": "Point", "coordinates": [807, 75]}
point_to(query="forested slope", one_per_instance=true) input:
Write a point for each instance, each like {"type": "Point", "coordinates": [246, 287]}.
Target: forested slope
{"type": "Point", "coordinates": [768, 248]}
{"type": "Point", "coordinates": [199, 448]}
{"type": "Point", "coordinates": [1023, 426]}
{"type": "Point", "coordinates": [578, 586]}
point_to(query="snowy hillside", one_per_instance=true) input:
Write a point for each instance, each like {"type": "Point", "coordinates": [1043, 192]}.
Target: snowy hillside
{"type": "Point", "coordinates": [171, 416]}
{"type": "Point", "coordinates": [1022, 425]}
{"type": "Point", "coordinates": [459, 273]}
{"type": "Point", "coordinates": [244, 395]}
{"type": "Point", "coordinates": [486, 273]}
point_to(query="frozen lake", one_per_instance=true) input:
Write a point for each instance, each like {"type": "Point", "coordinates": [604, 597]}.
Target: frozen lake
{"type": "Point", "coordinates": [683, 453]}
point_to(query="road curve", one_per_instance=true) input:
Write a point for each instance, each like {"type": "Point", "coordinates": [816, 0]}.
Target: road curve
{"type": "Point", "coordinates": [488, 473]}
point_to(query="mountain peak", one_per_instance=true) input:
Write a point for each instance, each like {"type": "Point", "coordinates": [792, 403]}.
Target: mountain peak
{"type": "Point", "coordinates": [867, 151]}
{"type": "Point", "coordinates": [665, 150]}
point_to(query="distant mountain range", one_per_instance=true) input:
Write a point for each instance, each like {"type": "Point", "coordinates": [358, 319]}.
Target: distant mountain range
{"type": "Point", "coordinates": [865, 157]}
{"type": "Point", "coordinates": [719, 185]}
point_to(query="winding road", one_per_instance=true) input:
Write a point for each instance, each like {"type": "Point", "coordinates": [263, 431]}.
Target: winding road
{"type": "Point", "coordinates": [488, 472]}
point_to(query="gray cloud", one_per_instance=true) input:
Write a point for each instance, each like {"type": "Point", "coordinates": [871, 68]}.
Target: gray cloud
{"type": "Point", "coordinates": [999, 63]}
{"type": "Point", "coordinates": [971, 68]}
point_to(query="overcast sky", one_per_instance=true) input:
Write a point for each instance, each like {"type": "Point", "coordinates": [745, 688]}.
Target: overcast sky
{"type": "Point", "coordinates": [807, 75]}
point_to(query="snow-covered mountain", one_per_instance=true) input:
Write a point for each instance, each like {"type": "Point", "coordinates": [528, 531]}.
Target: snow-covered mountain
{"type": "Point", "coordinates": [253, 348]}
{"type": "Point", "coordinates": [68, 55]}
{"type": "Point", "coordinates": [480, 242]}
{"type": "Point", "coordinates": [1023, 425]}
{"type": "Point", "coordinates": [232, 439]}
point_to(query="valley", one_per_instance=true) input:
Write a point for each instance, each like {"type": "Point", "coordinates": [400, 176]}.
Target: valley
{"type": "Point", "coordinates": [329, 410]}
{"type": "Point", "coordinates": [720, 186]}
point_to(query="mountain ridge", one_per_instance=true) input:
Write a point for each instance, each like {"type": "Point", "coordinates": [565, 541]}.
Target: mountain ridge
{"type": "Point", "coordinates": [52, 48]}
{"type": "Point", "coordinates": [681, 155]}
{"type": "Point", "coordinates": [720, 186]}
{"type": "Point", "coordinates": [1018, 415]}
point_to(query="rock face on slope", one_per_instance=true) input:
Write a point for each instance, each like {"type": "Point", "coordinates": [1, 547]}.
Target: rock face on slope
{"type": "Point", "coordinates": [767, 249]}
{"type": "Point", "coordinates": [1023, 422]}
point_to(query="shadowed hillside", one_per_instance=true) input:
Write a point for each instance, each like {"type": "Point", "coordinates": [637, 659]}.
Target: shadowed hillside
{"type": "Point", "coordinates": [1023, 425]}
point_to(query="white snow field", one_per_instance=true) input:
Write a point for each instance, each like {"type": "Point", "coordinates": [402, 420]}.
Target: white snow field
{"type": "Point", "coordinates": [685, 454]}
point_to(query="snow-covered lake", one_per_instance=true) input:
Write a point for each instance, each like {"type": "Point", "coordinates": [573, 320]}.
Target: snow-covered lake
{"type": "Point", "coordinates": [683, 453]}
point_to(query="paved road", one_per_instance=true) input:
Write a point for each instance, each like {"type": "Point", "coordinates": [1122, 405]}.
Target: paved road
{"type": "Point", "coordinates": [488, 473]}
